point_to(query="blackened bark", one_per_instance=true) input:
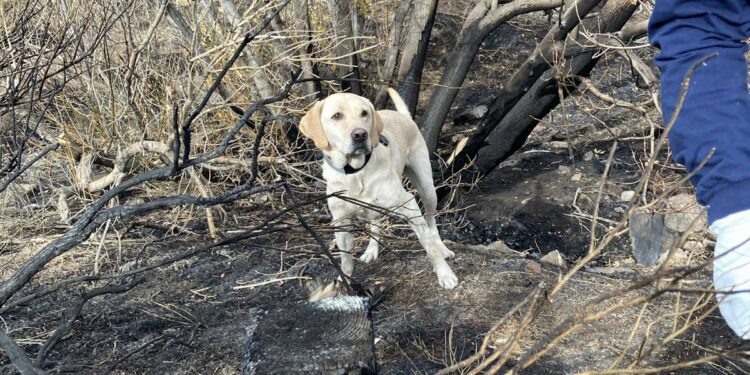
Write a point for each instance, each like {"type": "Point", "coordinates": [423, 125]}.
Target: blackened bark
{"type": "Point", "coordinates": [394, 43]}
{"type": "Point", "coordinates": [415, 52]}
{"type": "Point", "coordinates": [478, 24]}
{"type": "Point", "coordinates": [508, 126]}
{"type": "Point", "coordinates": [523, 79]}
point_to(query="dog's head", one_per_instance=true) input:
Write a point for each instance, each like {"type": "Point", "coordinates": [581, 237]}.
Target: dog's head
{"type": "Point", "coordinates": [344, 126]}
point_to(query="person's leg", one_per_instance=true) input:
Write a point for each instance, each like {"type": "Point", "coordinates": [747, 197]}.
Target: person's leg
{"type": "Point", "coordinates": [715, 116]}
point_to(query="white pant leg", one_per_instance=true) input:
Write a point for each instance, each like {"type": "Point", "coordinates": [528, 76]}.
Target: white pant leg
{"type": "Point", "coordinates": [732, 270]}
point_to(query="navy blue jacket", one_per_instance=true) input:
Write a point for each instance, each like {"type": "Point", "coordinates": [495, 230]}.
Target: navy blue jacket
{"type": "Point", "coordinates": [716, 111]}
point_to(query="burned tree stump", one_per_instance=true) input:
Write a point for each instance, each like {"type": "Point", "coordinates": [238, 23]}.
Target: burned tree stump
{"type": "Point", "coordinates": [330, 336]}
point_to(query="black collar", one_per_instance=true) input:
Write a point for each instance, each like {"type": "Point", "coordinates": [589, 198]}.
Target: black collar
{"type": "Point", "coordinates": [348, 169]}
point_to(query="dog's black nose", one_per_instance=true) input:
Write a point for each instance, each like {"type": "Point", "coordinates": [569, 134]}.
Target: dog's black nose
{"type": "Point", "coordinates": [359, 135]}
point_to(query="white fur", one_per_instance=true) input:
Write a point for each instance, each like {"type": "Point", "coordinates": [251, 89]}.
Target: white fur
{"type": "Point", "coordinates": [379, 182]}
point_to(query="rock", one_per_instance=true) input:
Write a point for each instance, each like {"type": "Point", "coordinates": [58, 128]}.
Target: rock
{"type": "Point", "coordinates": [129, 266]}
{"type": "Point", "coordinates": [533, 267]}
{"type": "Point", "coordinates": [470, 114]}
{"type": "Point", "coordinates": [554, 258]}
{"type": "Point", "coordinates": [653, 235]}
{"type": "Point", "coordinates": [627, 195]}
{"type": "Point", "coordinates": [679, 258]}
{"type": "Point", "coordinates": [588, 156]}
{"type": "Point", "coordinates": [683, 210]}
{"type": "Point", "coordinates": [323, 218]}
{"type": "Point", "coordinates": [558, 145]}
{"type": "Point", "coordinates": [695, 247]}
{"type": "Point", "coordinates": [563, 169]}
{"type": "Point", "coordinates": [576, 177]}
{"type": "Point", "coordinates": [648, 237]}
{"type": "Point", "coordinates": [135, 201]}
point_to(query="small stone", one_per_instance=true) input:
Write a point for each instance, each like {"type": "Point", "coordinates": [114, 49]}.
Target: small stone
{"type": "Point", "coordinates": [262, 198]}
{"type": "Point", "coordinates": [563, 169]}
{"type": "Point", "coordinates": [627, 195]}
{"type": "Point", "coordinates": [558, 145]}
{"type": "Point", "coordinates": [576, 177]}
{"type": "Point", "coordinates": [533, 267]}
{"type": "Point", "coordinates": [470, 114]}
{"type": "Point", "coordinates": [135, 201]}
{"type": "Point", "coordinates": [129, 266]}
{"type": "Point", "coordinates": [554, 258]}
{"type": "Point", "coordinates": [693, 246]}
{"type": "Point", "coordinates": [588, 156]}
{"type": "Point", "coordinates": [675, 258]}
{"type": "Point", "coordinates": [684, 210]}
{"type": "Point", "coordinates": [323, 218]}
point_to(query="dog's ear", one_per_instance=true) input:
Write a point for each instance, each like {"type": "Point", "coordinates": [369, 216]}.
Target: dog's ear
{"type": "Point", "coordinates": [311, 127]}
{"type": "Point", "coordinates": [377, 128]}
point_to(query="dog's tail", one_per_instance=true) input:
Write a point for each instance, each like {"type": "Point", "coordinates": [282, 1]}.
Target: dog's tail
{"type": "Point", "coordinates": [398, 102]}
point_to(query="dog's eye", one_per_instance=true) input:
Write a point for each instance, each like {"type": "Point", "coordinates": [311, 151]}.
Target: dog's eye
{"type": "Point", "coordinates": [337, 116]}
{"type": "Point", "coordinates": [364, 113]}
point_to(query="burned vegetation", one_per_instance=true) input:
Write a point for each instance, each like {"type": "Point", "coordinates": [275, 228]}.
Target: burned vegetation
{"type": "Point", "coordinates": [161, 213]}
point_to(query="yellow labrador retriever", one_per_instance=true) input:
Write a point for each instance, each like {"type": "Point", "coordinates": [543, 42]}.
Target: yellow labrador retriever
{"type": "Point", "coordinates": [365, 154]}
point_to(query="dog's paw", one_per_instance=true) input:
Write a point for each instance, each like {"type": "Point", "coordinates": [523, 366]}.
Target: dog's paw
{"type": "Point", "coordinates": [447, 253]}
{"type": "Point", "coordinates": [446, 277]}
{"type": "Point", "coordinates": [370, 255]}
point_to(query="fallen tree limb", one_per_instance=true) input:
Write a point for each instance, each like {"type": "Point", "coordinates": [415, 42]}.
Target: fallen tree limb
{"type": "Point", "coordinates": [12, 177]}
{"type": "Point", "coordinates": [522, 80]}
{"type": "Point", "coordinates": [124, 156]}
{"type": "Point", "coordinates": [256, 231]}
{"type": "Point", "coordinates": [516, 110]}
{"type": "Point", "coordinates": [589, 86]}
{"type": "Point", "coordinates": [481, 21]}
{"type": "Point", "coordinates": [17, 356]}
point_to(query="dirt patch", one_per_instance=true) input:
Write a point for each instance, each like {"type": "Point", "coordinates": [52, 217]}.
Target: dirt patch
{"type": "Point", "coordinates": [190, 318]}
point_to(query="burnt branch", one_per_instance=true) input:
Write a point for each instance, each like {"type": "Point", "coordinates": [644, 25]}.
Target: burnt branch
{"type": "Point", "coordinates": [95, 215]}
{"type": "Point", "coordinates": [533, 92]}
{"type": "Point", "coordinates": [267, 226]}
{"type": "Point", "coordinates": [323, 246]}
{"type": "Point", "coordinates": [17, 356]}
{"type": "Point", "coordinates": [481, 21]}
{"type": "Point", "coordinates": [75, 312]}
{"type": "Point", "coordinates": [13, 176]}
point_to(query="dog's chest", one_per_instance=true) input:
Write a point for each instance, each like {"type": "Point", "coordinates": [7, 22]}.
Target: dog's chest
{"type": "Point", "coordinates": [378, 189]}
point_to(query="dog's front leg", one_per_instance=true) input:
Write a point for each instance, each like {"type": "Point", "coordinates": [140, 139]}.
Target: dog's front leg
{"type": "Point", "coordinates": [430, 240]}
{"type": "Point", "coordinates": [373, 246]}
{"type": "Point", "coordinates": [342, 220]}
{"type": "Point", "coordinates": [345, 244]}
